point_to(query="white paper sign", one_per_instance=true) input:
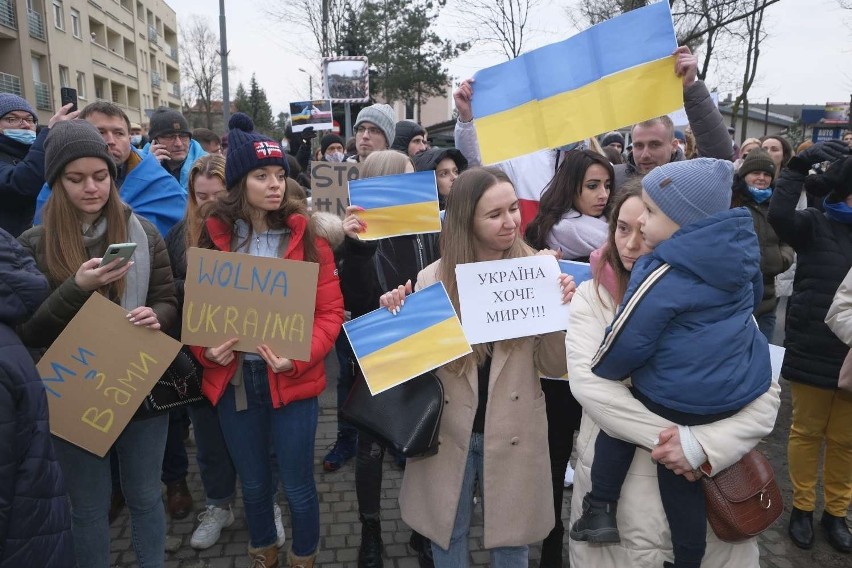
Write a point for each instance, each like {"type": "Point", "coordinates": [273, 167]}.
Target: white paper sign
{"type": "Point", "coordinates": [776, 357]}
{"type": "Point", "coordinates": [505, 299]}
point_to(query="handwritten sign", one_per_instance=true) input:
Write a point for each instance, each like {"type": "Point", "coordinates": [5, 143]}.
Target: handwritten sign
{"type": "Point", "coordinates": [260, 300]}
{"type": "Point", "coordinates": [330, 185]}
{"type": "Point", "coordinates": [98, 372]}
{"type": "Point", "coordinates": [505, 299]}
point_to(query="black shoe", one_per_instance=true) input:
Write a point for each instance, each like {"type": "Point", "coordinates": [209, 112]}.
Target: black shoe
{"type": "Point", "coordinates": [801, 528]}
{"type": "Point", "coordinates": [551, 549]}
{"type": "Point", "coordinates": [836, 532]}
{"type": "Point", "coordinates": [423, 547]}
{"type": "Point", "coordinates": [598, 523]}
{"type": "Point", "coordinates": [370, 551]}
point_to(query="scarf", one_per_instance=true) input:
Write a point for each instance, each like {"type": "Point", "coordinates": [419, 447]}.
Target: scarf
{"type": "Point", "coordinates": [578, 235]}
{"type": "Point", "coordinates": [839, 212]}
{"type": "Point", "coordinates": [760, 195]}
{"type": "Point", "coordinates": [139, 276]}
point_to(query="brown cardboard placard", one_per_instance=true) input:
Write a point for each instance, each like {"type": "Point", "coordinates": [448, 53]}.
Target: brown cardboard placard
{"type": "Point", "coordinates": [258, 299]}
{"type": "Point", "coordinates": [98, 371]}
{"type": "Point", "coordinates": [330, 185]}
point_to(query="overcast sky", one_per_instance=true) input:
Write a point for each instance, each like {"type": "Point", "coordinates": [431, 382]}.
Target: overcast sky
{"type": "Point", "coordinates": [807, 57]}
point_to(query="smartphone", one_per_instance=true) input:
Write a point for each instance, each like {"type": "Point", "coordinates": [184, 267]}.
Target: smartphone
{"type": "Point", "coordinates": [68, 95]}
{"type": "Point", "coordinates": [121, 250]}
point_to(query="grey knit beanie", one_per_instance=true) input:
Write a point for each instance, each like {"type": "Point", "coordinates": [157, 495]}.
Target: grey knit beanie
{"type": "Point", "coordinates": [691, 190]}
{"type": "Point", "coordinates": [167, 121]}
{"type": "Point", "coordinates": [382, 116]}
{"type": "Point", "coordinates": [69, 140]}
{"type": "Point", "coordinates": [758, 160]}
{"type": "Point", "coordinates": [10, 102]}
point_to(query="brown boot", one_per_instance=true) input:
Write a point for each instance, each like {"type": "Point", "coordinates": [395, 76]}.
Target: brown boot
{"type": "Point", "coordinates": [178, 499]}
{"type": "Point", "coordinates": [300, 561]}
{"type": "Point", "coordinates": [264, 557]}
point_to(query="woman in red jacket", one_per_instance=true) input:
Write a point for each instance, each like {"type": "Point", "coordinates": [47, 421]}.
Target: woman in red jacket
{"type": "Point", "coordinates": [274, 403]}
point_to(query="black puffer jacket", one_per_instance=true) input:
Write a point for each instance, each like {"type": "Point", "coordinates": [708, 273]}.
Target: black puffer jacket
{"type": "Point", "coordinates": [35, 518]}
{"type": "Point", "coordinates": [824, 247]}
{"type": "Point", "coordinates": [21, 178]}
{"type": "Point", "coordinates": [176, 246]}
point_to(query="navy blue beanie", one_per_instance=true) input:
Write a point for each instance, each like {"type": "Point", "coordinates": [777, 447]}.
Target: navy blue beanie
{"type": "Point", "coordinates": [249, 150]}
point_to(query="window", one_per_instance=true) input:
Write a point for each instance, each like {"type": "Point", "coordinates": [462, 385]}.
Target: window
{"type": "Point", "coordinates": [75, 23]}
{"type": "Point", "coordinates": [58, 15]}
{"type": "Point", "coordinates": [81, 85]}
{"type": "Point", "coordinates": [63, 76]}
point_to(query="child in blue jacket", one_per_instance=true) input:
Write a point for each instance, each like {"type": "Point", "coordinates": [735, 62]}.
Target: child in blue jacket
{"type": "Point", "coordinates": [685, 335]}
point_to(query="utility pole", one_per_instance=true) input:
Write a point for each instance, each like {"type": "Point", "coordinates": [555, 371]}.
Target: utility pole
{"type": "Point", "coordinates": [223, 52]}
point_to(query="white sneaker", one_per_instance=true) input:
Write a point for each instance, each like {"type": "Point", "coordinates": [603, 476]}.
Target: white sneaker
{"type": "Point", "coordinates": [279, 527]}
{"type": "Point", "coordinates": [213, 520]}
{"type": "Point", "coordinates": [569, 476]}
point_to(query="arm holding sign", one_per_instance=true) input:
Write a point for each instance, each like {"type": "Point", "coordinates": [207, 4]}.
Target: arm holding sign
{"type": "Point", "coordinates": [465, 134]}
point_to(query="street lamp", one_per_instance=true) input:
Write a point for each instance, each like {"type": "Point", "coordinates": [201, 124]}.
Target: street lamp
{"type": "Point", "coordinates": [310, 83]}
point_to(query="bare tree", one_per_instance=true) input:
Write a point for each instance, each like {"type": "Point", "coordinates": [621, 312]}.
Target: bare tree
{"type": "Point", "coordinates": [200, 65]}
{"type": "Point", "coordinates": [501, 23]}
{"type": "Point", "coordinates": [324, 20]}
{"type": "Point", "coordinates": [754, 36]}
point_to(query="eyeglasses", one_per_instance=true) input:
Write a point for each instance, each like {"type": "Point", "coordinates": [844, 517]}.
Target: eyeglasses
{"type": "Point", "coordinates": [371, 130]}
{"type": "Point", "coordinates": [172, 137]}
{"type": "Point", "coordinates": [18, 120]}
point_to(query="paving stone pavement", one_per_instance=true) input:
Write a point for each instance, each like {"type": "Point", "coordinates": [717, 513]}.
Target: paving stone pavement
{"type": "Point", "coordinates": [340, 528]}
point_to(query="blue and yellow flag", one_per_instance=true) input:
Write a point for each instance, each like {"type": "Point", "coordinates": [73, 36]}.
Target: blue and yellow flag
{"type": "Point", "coordinates": [403, 204]}
{"type": "Point", "coordinates": [425, 334]}
{"type": "Point", "coordinates": [611, 75]}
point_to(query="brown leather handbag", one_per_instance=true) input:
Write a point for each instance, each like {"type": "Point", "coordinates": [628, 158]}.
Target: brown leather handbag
{"type": "Point", "coordinates": [743, 500]}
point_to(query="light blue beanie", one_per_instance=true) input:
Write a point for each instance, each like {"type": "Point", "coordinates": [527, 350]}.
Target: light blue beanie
{"type": "Point", "coordinates": [691, 190]}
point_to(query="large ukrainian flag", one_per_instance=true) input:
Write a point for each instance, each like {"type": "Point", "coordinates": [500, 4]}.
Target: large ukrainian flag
{"type": "Point", "coordinates": [403, 204]}
{"type": "Point", "coordinates": [611, 75]}
{"type": "Point", "coordinates": [391, 349]}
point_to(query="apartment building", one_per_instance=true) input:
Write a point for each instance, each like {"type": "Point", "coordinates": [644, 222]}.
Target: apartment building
{"type": "Point", "coordinates": [122, 51]}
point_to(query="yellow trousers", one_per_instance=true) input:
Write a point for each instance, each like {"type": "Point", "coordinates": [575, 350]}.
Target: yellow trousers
{"type": "Point", "coordinates": [821, 415]}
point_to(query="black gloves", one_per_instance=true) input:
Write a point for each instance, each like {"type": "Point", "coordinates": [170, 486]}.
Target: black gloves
{"type": "Point", "coordinates": [828, 151]}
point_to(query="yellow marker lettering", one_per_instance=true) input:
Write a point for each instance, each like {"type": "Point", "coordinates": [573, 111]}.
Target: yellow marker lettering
{"type": "Point", "coordinates": [209, 320]}
{"type": "Point", "coordinates": [250, 323]}
{"type": "Point", "coordinates": [99, 420]}
{"type": "Point", "coordinates": [297, 328]}
{"type": "Point", "coordinates": [231, 315]}
{"type": "Point", "coordinates": [120, 397]}
{"type": "Point", "coordinates": [280, 326]}
{"type": "Point", "coordinates": [266, 325]}
{"type": "Point", "coordinates": [188, 319]}
{"type": "Point", "coordinates": [144, 358]}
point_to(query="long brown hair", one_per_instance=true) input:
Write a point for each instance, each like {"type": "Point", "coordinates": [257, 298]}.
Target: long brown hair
{"type": "Point", "coordinates": [562, 193]}
{"type": "Point", "coordinates": [64, 250]}
{"type": "Point", "coordinates": [211, 166]}
{"type": "Point", "coordinates": [457, 244]}
{"type": "Point", "coordinates": [609, 254]}
{"type": "Point", "coordinates": [235, 206]}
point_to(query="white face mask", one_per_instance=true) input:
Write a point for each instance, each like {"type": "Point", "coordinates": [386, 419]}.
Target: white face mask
{"type": "Point", "coordinates": [135, 139]}
{"type": "Point", "coordinates": [334, 156]}
{"type": "Point", "coordinates": [20, 135]}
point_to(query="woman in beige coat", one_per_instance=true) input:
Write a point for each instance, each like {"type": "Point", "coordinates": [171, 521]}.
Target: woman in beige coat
{"type": "Point", "coordinates": [493, 426]}
{"type": "Point", "coordinates": [645, 538]}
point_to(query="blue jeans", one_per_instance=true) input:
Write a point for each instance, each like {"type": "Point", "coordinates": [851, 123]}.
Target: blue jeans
{"type": "Point", "coordinates": [458, 556]}
{"type": "Point", "coordinates": [289, 431]}
{"type": "Point", "coordinates": [175, 460]}
{"type": "Point", "coordinates": [140, 456]}
{"type": "Point", "coordinates": [214, 462]}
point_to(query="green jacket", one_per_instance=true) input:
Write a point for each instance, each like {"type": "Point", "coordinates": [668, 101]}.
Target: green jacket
{"type": "Point", "coordinates": [65, 300]}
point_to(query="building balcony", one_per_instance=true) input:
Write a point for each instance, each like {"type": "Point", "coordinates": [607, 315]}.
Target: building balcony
{"type": "Point", "coordinates": [36, 23]}
{"type": "Point", "coordinates": [171, 51]}
{"type": "Point", "coordinates": [42, 95]}
{"type": "Point", "coordinates": [174, 89]}
{"type": "Point", "coordinates": [152, 34]}
{"type": "Point", "coordinates": [7, 14]}
{"type": "Point", "coordinates": [155, 79]}
{"type": "Point", "coordinates": [10, 84]}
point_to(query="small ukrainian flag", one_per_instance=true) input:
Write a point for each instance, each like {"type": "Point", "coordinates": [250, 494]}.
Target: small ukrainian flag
{"type": "Point", "coordinates": [614, 74]}
{"type": "Point", "coordinates": [403, 204]}
{"type": "Point", "coordinates": [425, 334]}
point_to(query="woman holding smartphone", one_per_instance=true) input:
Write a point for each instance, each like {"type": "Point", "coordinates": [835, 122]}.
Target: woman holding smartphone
{"type": "Point", "coordinates": [82, 217]}
{"type": "Point", "coordinates": [266, 401]}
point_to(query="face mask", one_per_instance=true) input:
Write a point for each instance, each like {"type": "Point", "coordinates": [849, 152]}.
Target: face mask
{"type": "Point", "coordinates": [135, 139]}
{"type": "Point", "coordinates": [334, 156]}
{"type": "Point", "coordinates": [20, 135]}
{"type": "Point", "coordinates": [760, 195]}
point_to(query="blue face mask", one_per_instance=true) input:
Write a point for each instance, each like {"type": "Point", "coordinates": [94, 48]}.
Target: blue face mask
{"type": "Point", "coordinates": [20, 135]}
{"type": "Point", "coordinates": [760, 195]}
{"type": "Point", "coordinates": [839, 212]}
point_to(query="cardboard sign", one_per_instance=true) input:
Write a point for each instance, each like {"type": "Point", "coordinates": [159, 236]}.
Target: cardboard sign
{"type": "Point", "coordinates": [316, 114]}
{"type": "Point", "coordinates": [394, 205]}
{"type": "Point", "coordinates": [98, 372]}
{"type": "Point", "coordinates": [505, 299]}
{"type": "Point", "coordinates": [392, 349]}
{"type": "Point", "coordinates": [330, 185]}
{"type": "Point", "coordinates": [260, 300]}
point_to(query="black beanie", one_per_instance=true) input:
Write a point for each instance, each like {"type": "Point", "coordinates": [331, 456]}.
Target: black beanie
{"type": "Point", "coordinates": [249, 150]}
{"type": "Point", "coordinates": [69, 140]}
{"type": "Point", "coordinates": [167, 121]}
{"type": "Point", "coordinates": [405, 131]}
{"type": "Point", "coordinates": [330, 139]}
{"type": "Point", "coordinates": [612, 137]}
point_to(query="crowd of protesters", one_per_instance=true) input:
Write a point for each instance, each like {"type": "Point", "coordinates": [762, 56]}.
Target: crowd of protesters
{"type": "Point", "coordinates": [664, 371]}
